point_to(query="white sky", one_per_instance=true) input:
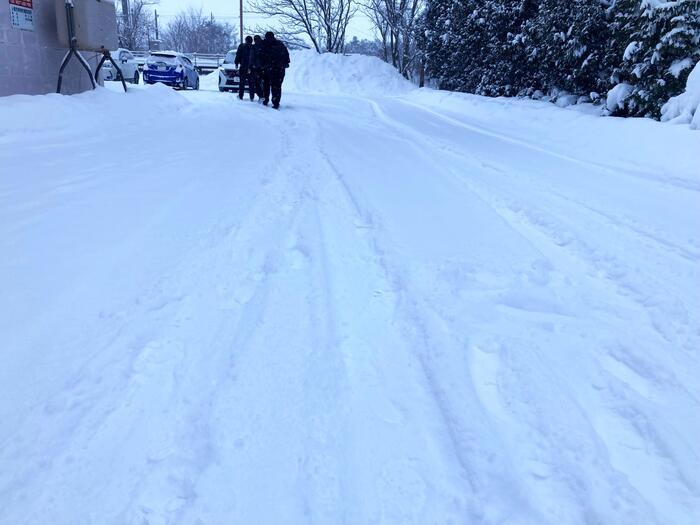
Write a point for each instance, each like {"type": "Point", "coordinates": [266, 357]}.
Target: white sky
{"type": "Point", "coordinates": [227, 11]}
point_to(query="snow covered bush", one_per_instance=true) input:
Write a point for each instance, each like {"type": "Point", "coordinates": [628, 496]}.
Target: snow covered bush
{"type": "Point", "coordinates": [661, 40]}
{"type": "Point", "coordinates": [564, 42]}
{"type": "Point", "coordinates": [640, 50]}
{"type": "Point", "coordinates": [618, 96]}
{"type": "Point", "coordinates": [509, 47]}
{"type": "Point", "coordinates": [685, 108]}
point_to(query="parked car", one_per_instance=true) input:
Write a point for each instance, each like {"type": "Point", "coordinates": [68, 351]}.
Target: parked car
{"type": "Point", "coordinates": [229, 76]}
{"type": "Point", "coordinates": [127, 65]}
{"type": "Point", "coordinates": [171, 68]}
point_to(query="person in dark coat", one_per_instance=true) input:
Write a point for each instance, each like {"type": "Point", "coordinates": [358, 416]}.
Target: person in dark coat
{"type": "Point", "coordinates": [242, 61]}
{"type": "Point", "coordinates": [275, 59]}
{"type": "Point", "coordinates": [256, 55]}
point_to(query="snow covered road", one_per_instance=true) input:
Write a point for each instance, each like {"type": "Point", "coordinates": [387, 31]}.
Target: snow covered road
{"type": "Point", "coordinates": [422, 309]}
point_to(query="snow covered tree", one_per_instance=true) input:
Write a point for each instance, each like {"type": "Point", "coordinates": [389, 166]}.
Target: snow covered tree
{"type": "Point", "coordinates": [323, 22]}
{"type": "Point", "coordinates": [396, 22]}
{"type": "Point", "coordinates": [364, 47]}
{"type": "Point", "coordinates": [454, 44]}
{"type": "Point", "coordinates": [475, 46]}
{"type": "Point", "coordinates": [503, 67]}
{"type": "Point", "coordinates": [565, 42]}
{"type": "Point", "coordinates": [515, 47]}
{"type": "Point", "coordinates": [662, 48]}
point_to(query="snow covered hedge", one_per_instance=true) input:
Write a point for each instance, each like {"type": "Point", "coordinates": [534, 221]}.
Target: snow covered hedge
{"type": "Point", "coordinates": [685, 108]}
{"type": "Point", "coordinates": [638, 52]}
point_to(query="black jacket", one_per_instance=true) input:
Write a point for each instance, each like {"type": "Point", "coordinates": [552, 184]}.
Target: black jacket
{"type": "Point", "coordinates": [243, 55]}
{"type": "Point", "coordinates": [274, 54]}
{"type": "Point", "coordinates": [256, 56]}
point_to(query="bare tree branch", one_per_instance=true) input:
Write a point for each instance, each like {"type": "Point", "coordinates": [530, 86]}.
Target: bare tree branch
{"type": "Point", "coordinates": [395, 21]}
{"type": "Point", "coordinates": [323, 22]}
{"type": "Point", "coordinates": [193, 32]}
{"type": "Point", "coordinates": [135, 26]}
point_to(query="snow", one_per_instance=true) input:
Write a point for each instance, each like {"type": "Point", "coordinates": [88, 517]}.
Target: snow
{"type": "Point", "coordinates": [617, 96]}
{"type": "Point", "coordinates": [678, 66]}
{"type": "Point", "coordinates": [685, 108]}
{"type": "Point", "coordinates": [630, 50]}
{"type": "Point", "coordinates": [421, 308]}
{"type": "Point", "coordinates": [336, 74]}
{"type": "Point", "coordinates": [209, 81]}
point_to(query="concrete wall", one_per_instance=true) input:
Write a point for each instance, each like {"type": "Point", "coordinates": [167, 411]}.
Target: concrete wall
{"type": "Point", "coordinates": [29, 60]}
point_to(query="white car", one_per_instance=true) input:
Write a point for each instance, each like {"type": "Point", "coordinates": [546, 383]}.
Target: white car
{"type": "Point", "coordinates": [127, 64]}
{"type": "Point", "coordinates": [229, 77]}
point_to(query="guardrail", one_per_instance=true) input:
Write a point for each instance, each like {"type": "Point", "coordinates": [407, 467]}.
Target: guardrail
{"type": "Point", "coordinates": [203, 62]}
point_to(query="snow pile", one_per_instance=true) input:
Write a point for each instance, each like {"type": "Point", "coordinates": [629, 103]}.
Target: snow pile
{"type": "Point", "coordinates": [210, 81]}
{"type": "Point", "coordinates": [577, 132]}
{"type": "Point", "coordinates": [617, 96]}
{"type": "Point", "coordinates": [23, 114]}
{"type": "Point", "coordinates": [684, 108]}
{"type": "Point", "coordinates": [331, 73]}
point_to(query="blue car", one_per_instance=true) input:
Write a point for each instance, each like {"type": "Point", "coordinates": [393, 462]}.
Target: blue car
{"type": "Point", "coordinates": [171, 68]}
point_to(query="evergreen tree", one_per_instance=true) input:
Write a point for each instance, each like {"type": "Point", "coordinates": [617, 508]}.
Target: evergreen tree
{"type": "Point", "coordinates": [662, 49]}
{"type": "Point", "coordinates": [504, 67]}
{"type": "Point", "coordinates": [565, 46]}
{"type": "Point", "coordinates": [514, 47]}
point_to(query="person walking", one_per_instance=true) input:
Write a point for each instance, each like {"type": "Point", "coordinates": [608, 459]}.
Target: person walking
{"type": "Point", "coordinates": [275, 60]}
{"type": "Point", "coordinates": [242, 61]}
{"type": "Point", "coordinates": [256, 69]}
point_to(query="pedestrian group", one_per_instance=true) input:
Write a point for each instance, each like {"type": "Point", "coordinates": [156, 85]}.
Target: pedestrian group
{"type": "Point", "coordinates": [261, 64]}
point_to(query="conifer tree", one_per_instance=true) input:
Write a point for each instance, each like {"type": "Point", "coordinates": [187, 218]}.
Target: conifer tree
{"type": "Point", "coordinates": [565, 46]}
{"type": "Point", "coordinates": [662, 49]}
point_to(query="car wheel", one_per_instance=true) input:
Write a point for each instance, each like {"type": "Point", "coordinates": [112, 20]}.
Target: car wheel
{"type": "Point", "coordinates": [221, 89]}
{"type": "Point", "coordinates": [184, 83]}
{"type": "Point", "coordinates": [136, 77]}
{"type": "Point", "coordinates": [196, 84]}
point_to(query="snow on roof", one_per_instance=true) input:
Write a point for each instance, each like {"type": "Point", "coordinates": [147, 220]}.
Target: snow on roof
{"type": "Point", "coordinates": [166, 53]}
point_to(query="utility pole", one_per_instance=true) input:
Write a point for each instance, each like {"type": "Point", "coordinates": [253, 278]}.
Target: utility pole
{"type": "Point", "coordinates": [156, 16]}
{"type": "Point", "coordinates": [127, 25]}
{"type": "Point", "coordinates": [241, 24]}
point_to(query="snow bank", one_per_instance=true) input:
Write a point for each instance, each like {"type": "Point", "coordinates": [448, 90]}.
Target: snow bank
{"type": "Point", "coordinates": [210, 81]}
{"type": "Point", "coordinates": [576, 132]}
{"type": "Point", "coordinates": [684, 108]}
{"type": "Point", "coordinates": [331, 73]}
{"type": "Point", "coordinates": [103, 107]}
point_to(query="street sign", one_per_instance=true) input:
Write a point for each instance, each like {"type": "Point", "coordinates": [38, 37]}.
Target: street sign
{"type": "Point", "coordinates": [22, 14]}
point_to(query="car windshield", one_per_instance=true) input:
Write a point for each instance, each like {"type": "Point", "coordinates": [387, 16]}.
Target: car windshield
{"type": "Point", "coordinates": [168, 59]}
{"type": "Point", "coordinates": [230, 57]}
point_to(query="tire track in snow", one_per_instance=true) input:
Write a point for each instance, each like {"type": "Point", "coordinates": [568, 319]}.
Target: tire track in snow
{"type": "Point", "coordinates": [607, 267]}
{"type": "Point", "coordinates": [438, 380]}
{"type": "Point", "coordinates": [120, 385]}
{"type": "Point", "coordinates": [469, 186]}
{"type": "Point", "coordinates": [674, 182]}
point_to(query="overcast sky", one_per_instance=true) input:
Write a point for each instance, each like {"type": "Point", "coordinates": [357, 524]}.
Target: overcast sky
{"type": "Point", "coordinates": [227, 11]}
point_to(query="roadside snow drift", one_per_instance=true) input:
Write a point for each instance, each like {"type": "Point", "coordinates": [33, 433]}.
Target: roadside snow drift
{"type": "Point", "coordinates": [364, 309]}
{"type": "Point", "coordinates": [685, 108]}
{"type": "Point", "coordinates": [330, 73]}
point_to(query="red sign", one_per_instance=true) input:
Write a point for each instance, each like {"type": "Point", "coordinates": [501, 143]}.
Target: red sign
{"type": "Point", "coordinates": [22, 3]}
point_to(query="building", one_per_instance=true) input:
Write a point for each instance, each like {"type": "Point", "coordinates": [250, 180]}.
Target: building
{"type": "Point", "coordinates": [30, 52]}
